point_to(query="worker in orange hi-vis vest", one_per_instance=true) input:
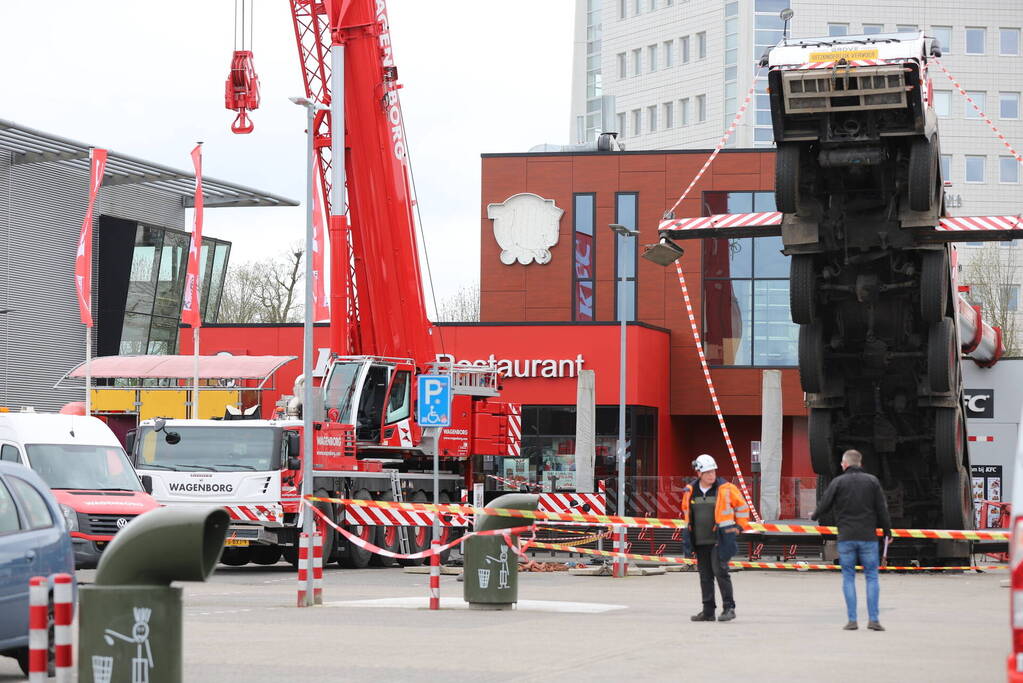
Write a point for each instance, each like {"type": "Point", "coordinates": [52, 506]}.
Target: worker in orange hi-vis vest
{"type": "Point", "coordinates": [715, 513]}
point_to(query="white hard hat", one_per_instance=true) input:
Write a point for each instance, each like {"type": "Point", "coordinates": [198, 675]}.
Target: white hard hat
{"type": "Point", "coordinates": [704, 463]}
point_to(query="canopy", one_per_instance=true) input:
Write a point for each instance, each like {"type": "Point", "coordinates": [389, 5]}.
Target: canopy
{"type": "Point", "coordinates": [182, 367]}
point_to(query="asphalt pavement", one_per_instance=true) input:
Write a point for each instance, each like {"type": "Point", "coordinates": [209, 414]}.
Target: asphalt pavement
{"type": "Point", "coordinates": [242, 626]}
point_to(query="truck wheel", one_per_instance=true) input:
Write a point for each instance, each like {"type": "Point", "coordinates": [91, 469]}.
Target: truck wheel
{"type": "Point", "coordinates": [923, 174]}
{"type": "Point", "coordinates": [956, 500]}
{"type": "Point", "coordinates": [236, 557]}
{"type": "Point", "coordinates": [266, 555]}
{"type": "Point", "coordinates": [803, 289]}
{"type": "Point", "coordinates": [418, 536]}
{"type": "Point", "coordinates": [354, 557]}
{"type": "Point", "coordinates": [387, 538]}
{"type": "Point", "coordinates": [822, 442]}
{"type": "Point", "coordinates": [934, 285]}
{"type": "Point", "coordinates": [324, 529]}
{"type": "Point", "coordinates": [811, 357]}
{"type": "Point", "coordinates": [448, 533]}
{"type": "Point", "coordinates": [786, 177]}
{"type": "Point", "coordinates": [948, 439]}
{"type": "Point", "coordinates": [941, 356]}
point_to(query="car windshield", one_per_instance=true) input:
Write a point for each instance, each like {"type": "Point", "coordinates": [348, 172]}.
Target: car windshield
{"type": "Point", "coordinates": [71, 466]}
{"type": "Point", "coordinates": [213, 448]}
{"type": "Point", "coordinates": [340, 392]}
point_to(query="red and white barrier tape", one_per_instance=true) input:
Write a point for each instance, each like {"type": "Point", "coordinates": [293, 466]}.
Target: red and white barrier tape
{"type": "Point", "coordinates": [721, 143]}
{"type": "Point", "coordinates": [713, 394]}
{"type": "Point", "coordinates": [987, 119]}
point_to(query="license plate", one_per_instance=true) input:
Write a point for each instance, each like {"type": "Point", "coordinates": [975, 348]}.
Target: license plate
{"type": "Point", "coordinates": [236, 542]}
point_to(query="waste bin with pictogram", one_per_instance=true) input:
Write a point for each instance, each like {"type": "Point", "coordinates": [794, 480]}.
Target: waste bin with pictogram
{"type": "Point", "coordinates": [491, 565]}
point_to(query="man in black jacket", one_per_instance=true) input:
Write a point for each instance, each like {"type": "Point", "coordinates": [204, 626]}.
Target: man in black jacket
{"type": "Point", "coordinates": [860, 509]}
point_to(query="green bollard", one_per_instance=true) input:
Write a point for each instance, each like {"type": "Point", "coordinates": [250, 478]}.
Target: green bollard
{"type": "Point", "coordinates": [491, 568]}
{"type": "Point", "coordinates": [129, 620]}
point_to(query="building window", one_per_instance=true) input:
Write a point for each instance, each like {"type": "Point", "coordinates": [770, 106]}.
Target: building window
{"type": "Point", "coordinates": [637, 122]}
{"type": "Point", "coordinates": [701, 45]}
{"type": "Point", "coordinates": [975, 168]}
{"type": "Point", "coordinates": [701, 108]}
{"type": "Point", "coordinates": [621, 125]}
{"type": "Point", "coordinates": [838, 29]}
{"type": "Point", "coordinates": [651, 54]}
{"type": "Point", "coordinates": [684, 49]}
{"type": "Point", "coordinates": [651, 117]}
{"type": "Point", "coordinates": [906, 28]}
{"type": "Point", "coordinates": [1008, 42]}
{"type": "Point", "coordinates": [626, 208]}
{"type": "Point", "coordinates": [946, 166]}
{"type": "Point", "coordinates": [1008, 170]}
{"type": "Point", "coordinates": [943, 102]}
{"type": "Point", "coordinates": [622, 8]}
{"type": "Point", "coordinates": [584, 219]}
{"type": "Point", "coordinates": [975, 38]}
{"type": "Point", "coordinates": [871, 29]}
{"type": "Point", "coordinates": [731, 74]}
{"type": "Point", "coordinates": [746, 318]}
{"type": "Point", "coordinates": [768, 29]}
{"type": "Point", "coordinates": [637, 61]}
{"type": "Point", "coordinates": [683, 112]}
{"type": "Point", "coordinates": [1008, 105]}
{"type": "Point", "coordinates": [623, 66]}
{"type": "Point", "coordinates": [669, 115]}
{"type": "Point", "coordinates": [980, 99]}
{"type": "Point", "coordinates": [1010, 297]}
{"type": "Point", "coordinates": [943, 34]}
{"type": "Point", "coordinates": [637, 6]}
{"type": "Point", "coordinates": [669, 53]}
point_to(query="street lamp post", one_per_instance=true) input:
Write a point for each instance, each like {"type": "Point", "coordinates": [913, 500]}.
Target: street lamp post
{"type": "Point", "coordinates": [312, 106]}
{"type": "Point", "coordinates": [620, 565]}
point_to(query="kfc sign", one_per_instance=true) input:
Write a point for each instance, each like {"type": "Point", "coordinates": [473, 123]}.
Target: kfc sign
{"type": "Point", "coordinates": [980, 403]}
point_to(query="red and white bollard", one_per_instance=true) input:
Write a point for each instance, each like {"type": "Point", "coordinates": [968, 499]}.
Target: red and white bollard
{"type": "Point", "coordinates": [38, 629]}
{"type": "Point", "coordinates": [303, 568]}
{"type": "Point", "coordinates": [620, 565]}
{"type": "Point", "coordinates": [317, 569]}
{"type": "Point", "coordinates": [435, 575]}
{"type": "Point", "coordinates": [63, 615]}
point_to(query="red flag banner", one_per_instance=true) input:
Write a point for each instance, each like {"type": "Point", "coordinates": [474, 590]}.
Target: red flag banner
{"type": "Point", "coordinates": [190, 309]}
{"type": "Point", "coordinates": [321, 305]}
{"type": "Point", "coordinates": [83, 256]}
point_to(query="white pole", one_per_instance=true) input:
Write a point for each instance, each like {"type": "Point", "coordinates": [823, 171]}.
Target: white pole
{"type": "Point", "coordinates": [307, 353]}
{"type": "Point", "coordinates": [195, 373]}
{"type": "Point", "coordinates": [88, 370]}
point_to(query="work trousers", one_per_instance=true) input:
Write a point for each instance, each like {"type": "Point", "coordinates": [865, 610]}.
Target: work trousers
{"type": "Point", "coordinates": [711, 567]}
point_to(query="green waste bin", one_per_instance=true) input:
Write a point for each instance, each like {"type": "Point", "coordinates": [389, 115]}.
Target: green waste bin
{"type": "Point", "coordinates": [491, 574]}
{"type": "Point", "coordinates": [129, 623]}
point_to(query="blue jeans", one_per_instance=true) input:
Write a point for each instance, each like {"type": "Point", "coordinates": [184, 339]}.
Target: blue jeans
{"type": "Point", "coordinates": [864, 553]}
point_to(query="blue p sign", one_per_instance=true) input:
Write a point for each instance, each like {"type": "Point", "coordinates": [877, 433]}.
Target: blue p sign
{"type": "Point", "coordinates": [434, 406]}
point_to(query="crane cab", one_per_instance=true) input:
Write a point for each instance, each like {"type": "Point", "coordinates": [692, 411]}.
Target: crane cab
{"type": "Point", "coordinates": [373, 395]}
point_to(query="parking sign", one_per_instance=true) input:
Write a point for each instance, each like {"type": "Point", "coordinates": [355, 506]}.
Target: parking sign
{"type": "Point", "coordinates": [434, 406]}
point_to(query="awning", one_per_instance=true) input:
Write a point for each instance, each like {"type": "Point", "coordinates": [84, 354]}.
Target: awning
{"type": "Point", "coordinates": [181, 367]}
{"type": "Point", "coordinates": [29, 146]}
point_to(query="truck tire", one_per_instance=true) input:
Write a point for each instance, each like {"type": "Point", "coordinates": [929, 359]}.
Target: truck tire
{"type": "Point", "coordinates": [949, 435]}
{"type": "Point", "coordinates": [811, 357]}
{"type": "Point", "coordinates": [822, 442]}
{"type": "Point", "coordinates": [324, 529]}
{"type": "Point", "coordinates": [387, 538]}
{"type": "Point", "coordinates": [803, 289]}
{"type": "Point", "coordinates": [266, 555]}
{"type": "Point", "coordinates": [923, 174]}
{"type": "Point", "coordinates": [235, 557]}
{"type": "Point", "coordinates": [353, 556]}
{"type": "Point", "coordinates": [418, 536]}
{"type": "Point", "coordinates": [941, 356]}
{"type": "Point", "coordinates": [956, 500]}
{"type": "Point", "coordinates": [934, 285]}
{"type": "Point", "coordinates": [786, 177]}
{"type": "Point", "coordinates": [448, 533]}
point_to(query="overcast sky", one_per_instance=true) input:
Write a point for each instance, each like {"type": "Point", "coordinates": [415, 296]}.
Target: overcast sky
{"type": "Point", "coordinates": [147, 79]}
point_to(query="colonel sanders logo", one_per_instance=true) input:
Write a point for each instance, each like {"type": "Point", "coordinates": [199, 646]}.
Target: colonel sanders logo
{"type": "Point", "coordinates": [526, 227]}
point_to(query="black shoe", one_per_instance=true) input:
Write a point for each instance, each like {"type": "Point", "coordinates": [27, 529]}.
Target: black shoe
{"type": "Point", "coordinates": [727, 614]}
{"type": "Point", "coordinates": [702, 616]}
{"type": "Point", "coordinates": [875, 626]}
{"type": "Point", "coordinates": [851, 626]}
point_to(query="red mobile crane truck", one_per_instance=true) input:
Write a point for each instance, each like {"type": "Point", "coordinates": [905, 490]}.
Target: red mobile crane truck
{"type": "Point", "coordinates": [368, 444]}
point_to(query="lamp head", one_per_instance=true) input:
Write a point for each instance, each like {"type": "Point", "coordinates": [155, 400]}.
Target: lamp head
{"type": "Point", "coordinates": [664, 253]}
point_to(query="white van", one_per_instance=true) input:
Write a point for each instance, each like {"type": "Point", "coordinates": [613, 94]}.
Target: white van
{"type": "Point", "coordinates": [91, 477]}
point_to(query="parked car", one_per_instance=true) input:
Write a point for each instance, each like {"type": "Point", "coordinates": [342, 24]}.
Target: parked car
{"type": "Point", "coordinates": [33, 542]}
{"type": "Point", "coordinates": [84, 464]}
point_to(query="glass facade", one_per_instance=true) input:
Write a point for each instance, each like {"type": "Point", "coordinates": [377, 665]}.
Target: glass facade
{"type": "Point", "coordinates": [594, 88]}
{"type": "Point", "coordinates": [731, 100]}
{"type": "Point", "coordinates": [548, 446]}
{"type": "Point", "coordinates": [583, 273]}
{"type": "Point", "coordinates": [746, 319]}
{"type": "Point", "coordinates": [768, 29]}
{"type": "Point", "coordinates": [626, 208]}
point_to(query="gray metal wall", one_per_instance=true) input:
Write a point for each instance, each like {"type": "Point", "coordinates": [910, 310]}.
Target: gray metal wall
{"type": "Point", "coordinates": [41, 211]}
{"type": "Point", "coordinates": [993, 419]}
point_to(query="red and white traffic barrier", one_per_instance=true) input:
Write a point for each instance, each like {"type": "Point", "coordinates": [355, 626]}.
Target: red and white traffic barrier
{"type": "Point", "coordinates": [303, 568]}
{"type": "Point", "coordinates": [317, 569]}
{"type": "Point", "coordinates": [63, 615]}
